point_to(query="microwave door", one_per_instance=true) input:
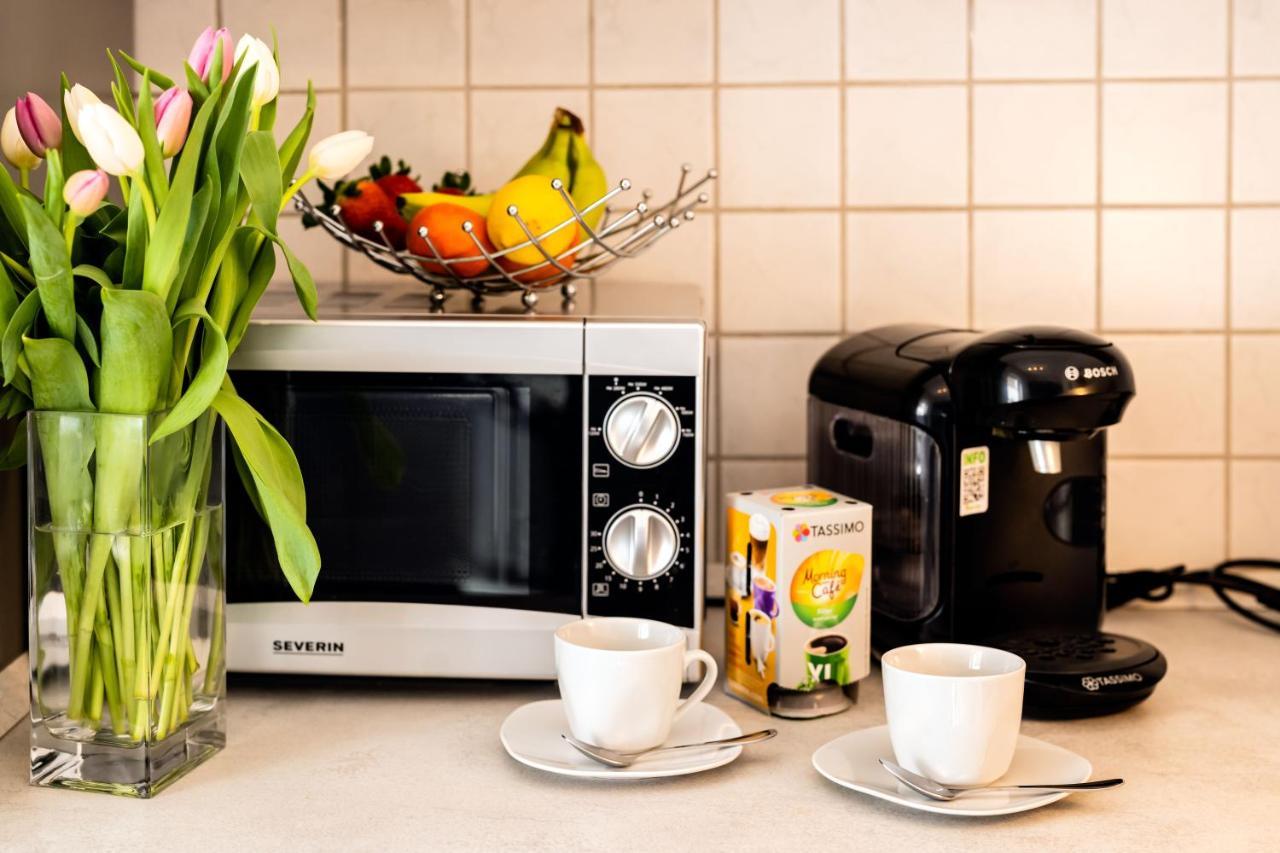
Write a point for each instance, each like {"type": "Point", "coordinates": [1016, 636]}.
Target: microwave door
{"type": "Point", "coordinates": [440, 489]}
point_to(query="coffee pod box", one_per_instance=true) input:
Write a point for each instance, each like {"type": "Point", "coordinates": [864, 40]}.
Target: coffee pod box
{"type": "Point", "coordinates": [797, 599]}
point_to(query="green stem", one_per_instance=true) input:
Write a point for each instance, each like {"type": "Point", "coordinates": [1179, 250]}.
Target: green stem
{"type": "Point", "coordinates": [294, 187]}
{"type": "Point", "coordinates": [18, 269]}
{"type": "Point", "coordinates": [24, 176]}
{"type": "Point", "coordinates": [107, 666]}
{"type": "Point", "coordinates": [124, 190]}
{"type": "Point", "coordinates": [69, 230]}
{"type": "Point", "coordinates": [94, 712]}
{"type": "Point", "coordinates": [148, 203]}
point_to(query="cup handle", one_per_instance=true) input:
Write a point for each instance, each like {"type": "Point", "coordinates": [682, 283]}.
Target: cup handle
{"type": "Point", "coordinates": [708, 680]}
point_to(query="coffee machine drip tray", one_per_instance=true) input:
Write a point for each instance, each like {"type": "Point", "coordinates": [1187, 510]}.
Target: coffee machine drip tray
{"type": "Point", "coordinates": [1083, 674]}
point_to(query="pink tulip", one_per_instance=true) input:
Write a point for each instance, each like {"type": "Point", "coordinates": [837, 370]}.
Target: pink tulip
{"type": "Point", "coordinates": [39, 125]}
{"type": "Point", "coordinates": [202, 52]}
{"type": "Point", "coordinates": [85, 190]}
{"type": "Point", "coordinates": [173, 114]}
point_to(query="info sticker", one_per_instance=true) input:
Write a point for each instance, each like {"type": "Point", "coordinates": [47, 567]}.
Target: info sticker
{"type": "Point", "coordinates": [974, 478]}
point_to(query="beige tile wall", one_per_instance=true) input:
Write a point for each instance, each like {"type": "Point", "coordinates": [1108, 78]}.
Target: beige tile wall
{"type": "Point", "coordinates": [1108, 164]}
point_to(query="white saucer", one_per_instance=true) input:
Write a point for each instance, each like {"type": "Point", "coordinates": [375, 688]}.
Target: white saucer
{"type": "Point", "coordinates": [853, 762]}
{"type": "Point", "coordinates": [531, 735]}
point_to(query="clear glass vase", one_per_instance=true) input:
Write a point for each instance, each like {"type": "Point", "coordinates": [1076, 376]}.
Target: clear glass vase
{"type": "Point", "coordinates": [127, 609]}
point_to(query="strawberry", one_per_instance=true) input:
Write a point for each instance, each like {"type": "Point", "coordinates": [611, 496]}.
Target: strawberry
{"type": "Point", "coordinates": [363, 203]}
{"type": "Point", "coordinates": [454, 183]}
{"type": "Point", "coordinates": [395, 183]}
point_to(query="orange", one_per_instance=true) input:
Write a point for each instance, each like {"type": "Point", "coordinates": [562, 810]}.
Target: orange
{"type": "Point", "coordinates": [444, 226]}
{"type": "Point", "coordinates": [543, 273]}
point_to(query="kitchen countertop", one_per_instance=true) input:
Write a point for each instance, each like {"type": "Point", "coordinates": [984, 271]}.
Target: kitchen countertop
{"type": "Point", "coordinates": [356, 766]}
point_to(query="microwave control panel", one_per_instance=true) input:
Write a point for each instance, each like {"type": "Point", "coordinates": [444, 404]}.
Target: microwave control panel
{"type": "Point", "coordinates": [641, 497]}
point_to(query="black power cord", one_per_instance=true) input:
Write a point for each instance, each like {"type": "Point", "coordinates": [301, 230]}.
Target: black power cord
{"type": "Point", "coordinates": [1158, 585]}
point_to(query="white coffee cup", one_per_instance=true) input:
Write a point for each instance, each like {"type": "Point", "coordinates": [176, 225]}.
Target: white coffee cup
{"type": "Point", "coordinates": [954, 710]}
{"type": "Point", "coordinates": [738, 574]}
{"type": "Point", "coordinates": [620, 680]}
{"type": "Point", "coordinates": [760, 629]}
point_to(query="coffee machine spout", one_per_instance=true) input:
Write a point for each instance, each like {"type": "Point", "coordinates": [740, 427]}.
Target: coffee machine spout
{"type": "Point", "coordinates": [1046, 456]}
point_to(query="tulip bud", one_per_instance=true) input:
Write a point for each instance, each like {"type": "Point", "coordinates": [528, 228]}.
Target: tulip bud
{"type": "Point", "coordinates": [15, 150]}
{"type": "Point", "coordinates": [335, 156]}
{"type": "Point", "coordinates": [110, 140]}
{"type": "Point", "coordinates": [266, 81]}
{"type": "Point", "coordinates": [202, 52]}
{"type": "Point", "coordinates": [75, 99]}
{"type": "Point", "coordinates": [173, 114]}
{"type": "Point", "coordinates": [39, 125]}
{"type": "Point", "coordinates": [85, 190]}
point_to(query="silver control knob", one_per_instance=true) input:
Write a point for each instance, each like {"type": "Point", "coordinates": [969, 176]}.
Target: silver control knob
{"type": "Point", "coordinates": [641, 543]}
{"type": "Point", "coordinates": [642, 430]}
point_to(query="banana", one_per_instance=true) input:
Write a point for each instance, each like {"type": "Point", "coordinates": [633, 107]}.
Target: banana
{"type": "Point", "coordinates": [411, 203]}
{"type": "Point", "coordinates": [565, 155]}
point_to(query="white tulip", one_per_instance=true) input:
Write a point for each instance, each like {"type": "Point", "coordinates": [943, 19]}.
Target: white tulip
{"type": "Point", "coordinates": [110, 140]}
{"type": "Point", "coordinates": [11, 143]}
{"type": "Point", "coordinates": [335, 156]}
{"type": "Point", "coordinates": [266, 82]}
{"type": "Point", "coordinates": [77, 98]}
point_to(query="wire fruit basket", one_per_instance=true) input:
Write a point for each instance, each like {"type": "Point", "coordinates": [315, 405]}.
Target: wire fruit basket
{"type": "Point", "coordinates": [622, 232]}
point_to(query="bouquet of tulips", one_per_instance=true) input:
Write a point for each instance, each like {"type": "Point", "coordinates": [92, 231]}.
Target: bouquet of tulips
{"type": "Point", "coordinates": [133, 310]}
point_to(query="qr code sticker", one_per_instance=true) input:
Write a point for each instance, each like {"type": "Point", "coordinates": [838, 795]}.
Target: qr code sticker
{"type": "Point", "coordinates": [974, 479]}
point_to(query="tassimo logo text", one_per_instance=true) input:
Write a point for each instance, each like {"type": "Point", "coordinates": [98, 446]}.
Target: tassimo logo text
{"type": "Point", "coordinates": [307, 647]}
{"type": "Point", "coordinates": [1093, 683]}
{"type": "Point", "coordinates": [837, 527]}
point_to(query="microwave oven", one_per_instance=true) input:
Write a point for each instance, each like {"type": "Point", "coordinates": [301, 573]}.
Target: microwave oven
{"type": "Point", "coordinates": [474, 480]}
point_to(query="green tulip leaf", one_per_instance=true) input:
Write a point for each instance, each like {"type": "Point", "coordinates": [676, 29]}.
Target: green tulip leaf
{"type": "Point", "coordinates": [8, 298]}
{"type": "Point", "coordinates": [260, 171]}
{"type": "Point", "coordinates": [303, 284]}
{"type": "Point", "coordinates": [121, 89]}
{"type": "Point", "coordinates": [207, 381]}
{"type": "Point", "coordinates": [153, 157]}
{"type": "Point", "coordinates": [58, 378]}
{"type": "Point", "coordinates": [52, 267]}
{"type": "Point", "coordinates": [74, 156]}
{"type": "Point", "coordinates": [11, 345]}
{"type": "Point", "coordinates": [15, 455]}
{"type": "Point", "coordinates": [233, 276]}
{"type": "Point", "coordinates": [197, 243]}
{"type": "Point", "coordinates": [53, 183]}
{"type": "Point", "coordinates": [135, 246]}
{"type": "Point", "coordinates": [199, 91]}
{"type": "Point", "coordinates": [161, 80]}
{"type": "Point", "coordinates": [169, 235]}
{"type": "Point", "coordinates": [10, 205]}
{"type": "Point", "coordinates": [88, 341]}
{"type": "Point", "coordinates": [229, 137]}
{"type": "Point", "coordinates": [293, 145]}
{"type": "Point", "coordinates": [137, 348]}
{"type": "Point", "coordinates": [277, 482]}
{"type": "Point", "coordinates": [94, 274]}
{"type": "Point", "coordinates": [264, 267]}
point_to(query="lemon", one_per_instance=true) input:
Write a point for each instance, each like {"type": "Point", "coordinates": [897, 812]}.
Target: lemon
{"type": "Point", "coordinates": [541, 207]}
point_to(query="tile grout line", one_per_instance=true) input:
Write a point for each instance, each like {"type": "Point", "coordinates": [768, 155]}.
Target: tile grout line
{"type": "Point", "coordinates": [1097, 166]}
{"type": "Point", "coordinates": [843, 108]}
{"type": "Point", "coordinates": [969, 160]}
{"type": "Point", "coordinates": [344, 111]}
{"type": "Point", "coordinates": [467, 88]}
{"type": "Point", "coordinates": [591, 68]}
{"type": "Point", "coordinates": [1228, 319]}
{"type": "Point", "coordinates": [717, 287]}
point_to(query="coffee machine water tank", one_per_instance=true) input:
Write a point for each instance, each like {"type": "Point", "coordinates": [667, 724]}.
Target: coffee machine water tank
{"type": "Point", "coordinates": [984, 459]}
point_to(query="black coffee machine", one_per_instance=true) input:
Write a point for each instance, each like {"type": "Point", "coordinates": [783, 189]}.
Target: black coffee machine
{"type": "Point", "coordinates": [984, 458]}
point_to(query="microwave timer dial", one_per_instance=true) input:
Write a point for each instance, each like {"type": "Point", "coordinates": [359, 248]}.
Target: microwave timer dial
{"type": "Point", "coordinates": [641, 542]}
{"type": "Point", "coordinates": [642, 430]}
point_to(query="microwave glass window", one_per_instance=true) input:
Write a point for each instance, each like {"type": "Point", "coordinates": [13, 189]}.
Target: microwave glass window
{"type": "Point", "coordinates": [450, 489]}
